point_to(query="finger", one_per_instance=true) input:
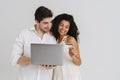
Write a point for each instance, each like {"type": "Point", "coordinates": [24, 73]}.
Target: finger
{"type": "Point", "coordinates": [70, 47]}
{"type": "Point", "coordinates": [47, 66]}
{"type": "Point", "coordinates": [50, 66]}
{"type": "Point", "coordinates": [43, 66]}
{"type": "Point", "coordinates": [54, 66]}
{"type": "Point", "coordinates": [71, 50]}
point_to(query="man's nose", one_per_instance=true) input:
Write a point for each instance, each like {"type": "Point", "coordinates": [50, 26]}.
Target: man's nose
{"type": "Point", "coordinates": [49, 25]}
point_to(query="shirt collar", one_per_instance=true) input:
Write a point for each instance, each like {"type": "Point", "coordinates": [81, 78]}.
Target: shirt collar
{"type": "Point", "coordinates": [33, 29]}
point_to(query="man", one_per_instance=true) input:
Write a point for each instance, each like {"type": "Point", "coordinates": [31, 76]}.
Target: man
{"type": "Point", "coordinates": [21, 50]}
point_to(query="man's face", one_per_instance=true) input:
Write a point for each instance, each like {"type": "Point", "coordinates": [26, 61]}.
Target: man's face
{"type": "Point", "coordinates": [45, 24]}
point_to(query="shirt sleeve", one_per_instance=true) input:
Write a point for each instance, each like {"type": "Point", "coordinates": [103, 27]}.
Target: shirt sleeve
{"type": "Point", "coordinates": [17, 51]}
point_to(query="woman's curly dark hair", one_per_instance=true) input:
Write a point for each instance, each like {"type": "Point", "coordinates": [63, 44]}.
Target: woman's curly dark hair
{"type": "Point", "coordinates": [73, 30]}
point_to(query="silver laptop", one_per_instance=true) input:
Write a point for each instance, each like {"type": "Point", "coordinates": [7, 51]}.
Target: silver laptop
{"type": "Point", "coordinates": [47, 54]}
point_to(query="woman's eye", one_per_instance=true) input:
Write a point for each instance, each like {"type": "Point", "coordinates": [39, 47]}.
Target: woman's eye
{"type": "Point", "coordinates": [67, 27]}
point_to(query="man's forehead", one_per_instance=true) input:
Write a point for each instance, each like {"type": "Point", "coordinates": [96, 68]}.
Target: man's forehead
{"type": "Point", "coordinates": [47, 19]}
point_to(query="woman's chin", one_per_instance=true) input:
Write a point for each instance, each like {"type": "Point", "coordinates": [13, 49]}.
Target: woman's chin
{"type": "Point", "coordinates": [62, 34]}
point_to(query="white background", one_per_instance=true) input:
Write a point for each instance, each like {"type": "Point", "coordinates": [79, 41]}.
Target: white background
{"type": "Point", "coordinates": [98, 22]}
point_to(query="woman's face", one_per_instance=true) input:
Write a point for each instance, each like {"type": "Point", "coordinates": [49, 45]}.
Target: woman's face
{"type": "Point", "coordinates": [63, 27]}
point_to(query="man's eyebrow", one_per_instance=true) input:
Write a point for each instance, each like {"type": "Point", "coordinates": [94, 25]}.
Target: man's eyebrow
{"type": "Point", "coordinates": [45, 22]}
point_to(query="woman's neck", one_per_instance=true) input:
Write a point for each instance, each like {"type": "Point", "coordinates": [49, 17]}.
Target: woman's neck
{"type": "Point", "coordinates": [60, 39]}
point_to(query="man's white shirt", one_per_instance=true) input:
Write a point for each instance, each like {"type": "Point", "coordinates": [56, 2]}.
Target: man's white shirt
{"type": "Point", "coordinates": [22, 48]}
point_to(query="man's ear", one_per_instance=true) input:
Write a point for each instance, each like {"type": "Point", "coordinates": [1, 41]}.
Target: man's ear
{"type": "Point", "coordinates": [36, 21]}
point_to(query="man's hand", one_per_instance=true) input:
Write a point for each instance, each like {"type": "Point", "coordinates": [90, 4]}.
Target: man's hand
{"type": "Point", "coordinates": [49, 66]}
{"type": "Point", "coordinates": [24, 60]}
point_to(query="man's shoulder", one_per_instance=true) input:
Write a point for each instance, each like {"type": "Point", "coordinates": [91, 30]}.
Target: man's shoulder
{"type": "Point", "coordinates": [29, 29]}
{"type": "Point", "coordinates": [25, 32]}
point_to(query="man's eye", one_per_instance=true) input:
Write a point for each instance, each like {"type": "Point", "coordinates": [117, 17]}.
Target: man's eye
{"type": "Point", "coordinates": [45, 22]}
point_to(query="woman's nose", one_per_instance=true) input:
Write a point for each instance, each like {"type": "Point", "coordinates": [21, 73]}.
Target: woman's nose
{"type": "Point", "coordinates": [63, 28]}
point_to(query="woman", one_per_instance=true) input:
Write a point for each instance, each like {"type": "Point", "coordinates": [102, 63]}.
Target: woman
{"type": "Point", "coordinates": [66, 32]}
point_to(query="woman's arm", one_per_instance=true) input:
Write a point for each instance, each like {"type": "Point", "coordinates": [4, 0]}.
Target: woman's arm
{"type": "Point", "coordinates": [74, 51]}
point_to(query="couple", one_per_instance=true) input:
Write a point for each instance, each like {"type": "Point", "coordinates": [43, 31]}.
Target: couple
{"type": "Point", "coordinates": [61, 30]}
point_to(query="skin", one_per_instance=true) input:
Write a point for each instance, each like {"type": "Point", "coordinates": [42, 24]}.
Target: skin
{"type": "Point", "coordinates": [74, 50]}
{"type": "Point", "coordinates": [41, 28]}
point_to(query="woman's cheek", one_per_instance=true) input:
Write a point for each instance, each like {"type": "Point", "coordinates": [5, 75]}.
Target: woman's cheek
{"type": "Point", "coordinates": [67, 30]}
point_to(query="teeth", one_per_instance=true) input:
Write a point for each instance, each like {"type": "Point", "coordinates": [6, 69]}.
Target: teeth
{"type": "Point", "coordinates": [62, 31]}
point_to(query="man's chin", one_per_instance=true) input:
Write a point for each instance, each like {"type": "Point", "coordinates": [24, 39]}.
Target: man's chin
{"type": "Point", "coordinates": [46, 31]}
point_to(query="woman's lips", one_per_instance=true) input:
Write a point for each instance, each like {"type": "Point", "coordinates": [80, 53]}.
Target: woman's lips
{"type": "Point", "coordinates": [62, 31]}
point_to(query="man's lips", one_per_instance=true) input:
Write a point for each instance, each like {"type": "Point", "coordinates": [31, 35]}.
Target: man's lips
{"type": "Point", "coordinates": [46, 28]}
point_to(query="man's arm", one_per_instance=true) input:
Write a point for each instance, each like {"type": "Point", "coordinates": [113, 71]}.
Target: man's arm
{"type": "Point", "coordinates": [17, 53]}
{"type": "Point", "coordinates": [24, 60]}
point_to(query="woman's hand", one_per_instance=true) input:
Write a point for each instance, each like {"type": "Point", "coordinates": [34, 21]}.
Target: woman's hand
{"type": "Point", "coordinates": [72, 51]}
{"type": "Point", "coordinates": [74, 55]}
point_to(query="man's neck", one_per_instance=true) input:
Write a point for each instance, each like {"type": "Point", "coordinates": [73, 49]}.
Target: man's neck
{"type": "Point", "coordinates": [39, 32]}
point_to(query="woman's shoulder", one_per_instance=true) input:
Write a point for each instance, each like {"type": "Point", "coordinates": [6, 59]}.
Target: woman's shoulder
{"type": "Point", "coordinates": [70, 39]}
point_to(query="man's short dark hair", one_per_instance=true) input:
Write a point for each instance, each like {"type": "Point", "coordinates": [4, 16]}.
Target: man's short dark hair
{"type": "Point", "coordinates": [42, 12]}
